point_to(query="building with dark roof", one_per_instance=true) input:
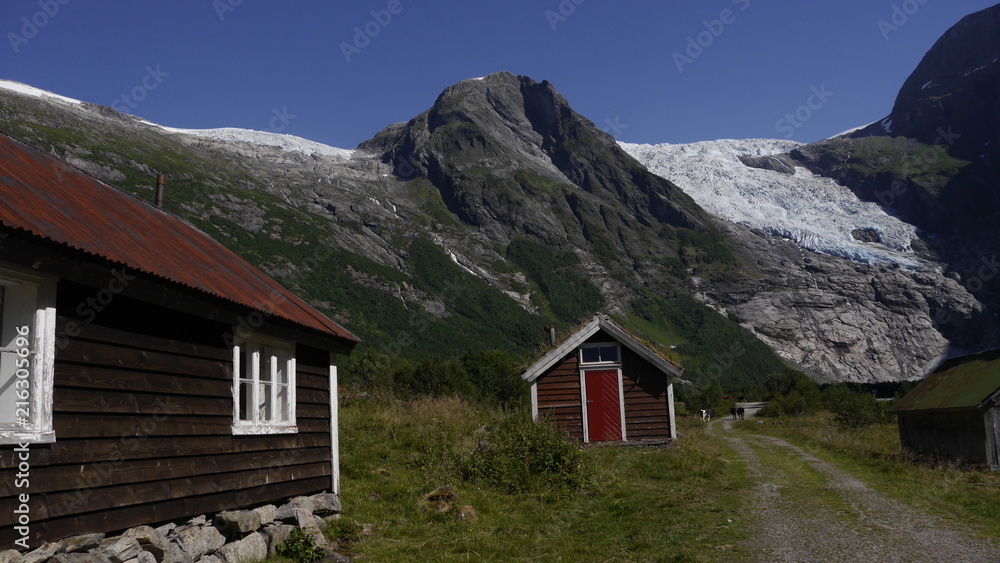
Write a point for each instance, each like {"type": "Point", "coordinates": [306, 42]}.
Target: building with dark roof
{"type": "Point", "coordinates": [147, 373]}
{"type": "Point", "coordinates": [955, 411]}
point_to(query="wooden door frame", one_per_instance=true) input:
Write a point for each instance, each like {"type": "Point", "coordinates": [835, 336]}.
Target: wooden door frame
{"type": "Point", "coordinates": [583, 398]}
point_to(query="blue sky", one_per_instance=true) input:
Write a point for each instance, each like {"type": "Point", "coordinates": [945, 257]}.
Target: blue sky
{"type": "Point", "coordinates": [338, 71]}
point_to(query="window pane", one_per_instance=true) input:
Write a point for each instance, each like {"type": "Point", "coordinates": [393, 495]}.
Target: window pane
{"type": "Point", "coordinates": [246, 392]}
{"type": "Point", "coordinates": [247, 358]}
{"type": "Point", "coordinates": [264, 413]}
{"type": "Point", "coordinates": [281, 377]}
{"type": "Point", "coordinates": [283, 403]}
{"type": "Point", "coordinates": [609, 353]}
{"type": "Point", "coordinates": [591, 355]}
{"type": "Point", "coordinates": [281, 366]}
{"type": "Point", "coordinates": [266, 362]}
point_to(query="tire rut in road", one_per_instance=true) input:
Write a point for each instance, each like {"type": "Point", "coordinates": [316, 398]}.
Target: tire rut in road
{"type": "Point", "coordinates": [807, 509]}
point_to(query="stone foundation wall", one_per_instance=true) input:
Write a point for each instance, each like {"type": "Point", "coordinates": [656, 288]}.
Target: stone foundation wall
{"type": "Point", "coordinates": [238, 536]}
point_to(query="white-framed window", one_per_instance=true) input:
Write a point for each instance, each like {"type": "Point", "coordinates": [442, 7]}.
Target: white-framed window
{"type": "Point", "coordinates": [605, 353]}
{"type": "Point", "coordinates": [27, 355]}
{"type": "Point", "coordinates": [263, 386]}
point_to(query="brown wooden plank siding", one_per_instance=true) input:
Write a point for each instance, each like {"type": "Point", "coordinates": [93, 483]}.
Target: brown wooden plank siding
{"type": "Point", "coordinates": [957, 434]}
{"type": "Point", "coordinates": [143, 414]}
{"type": "Point", "coordinates": [647, 414]}
{"type": "Point", "coordinates": [559, 397]}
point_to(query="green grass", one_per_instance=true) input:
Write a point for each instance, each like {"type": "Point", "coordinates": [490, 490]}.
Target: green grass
{"type": "Point", "coordinates": [678, 503]}
{"type": "Point", "coordinates": [968, 494]}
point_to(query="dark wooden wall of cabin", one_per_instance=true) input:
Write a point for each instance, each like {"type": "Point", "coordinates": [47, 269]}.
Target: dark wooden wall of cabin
{"type": "Point", "coordinates": [646, 413]}
{"type": "Point", "coordinates": [142, 414]}
{"type": "Point", "coordinates": [956, 434]}
{"type": "Point", "coordinates": [559, 397]}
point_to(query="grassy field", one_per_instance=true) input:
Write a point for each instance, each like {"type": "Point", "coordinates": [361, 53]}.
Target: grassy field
{"type": "Point", "coordinates": [679, 503]}
{"type": "Point", "coordinates": [968, 494]}
{"type": "Point", "coordinates": [638, 504]}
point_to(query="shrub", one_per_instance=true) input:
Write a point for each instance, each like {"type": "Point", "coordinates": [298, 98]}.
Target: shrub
{"type": "Point", "coordinates": [300, 547]}
{"type": "Point", "coordinates": [521, 456]}
{"type": "Point", "coordinates": [853, 409]}
{"type": "Point", "coordinates": [435, 377]}
{"type": "Point", "coordinates": [496, 376]}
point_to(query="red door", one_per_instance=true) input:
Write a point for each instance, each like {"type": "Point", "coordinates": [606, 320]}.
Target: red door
{"type": "Point", "coordinates": [604, 415]}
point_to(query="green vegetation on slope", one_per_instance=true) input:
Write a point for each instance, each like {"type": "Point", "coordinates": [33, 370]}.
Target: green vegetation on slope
{"type": "Point", "coordinates": [716, 347]}
{"type": "Point", "coordinates": [570, 296]}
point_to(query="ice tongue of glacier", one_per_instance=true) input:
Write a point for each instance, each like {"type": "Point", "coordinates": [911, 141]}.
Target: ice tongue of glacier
{"type": "Point", "coordinates": [817, 213]}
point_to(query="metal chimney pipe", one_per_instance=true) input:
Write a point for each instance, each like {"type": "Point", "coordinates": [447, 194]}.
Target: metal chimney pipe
{"type": "Point", "coordinates": [161, 180]}
{"type": "Point", "coordinates": [552, 334]}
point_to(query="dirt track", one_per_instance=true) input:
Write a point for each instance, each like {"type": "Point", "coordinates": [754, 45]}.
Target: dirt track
{"type": "Point", "coordinates": [806, 509]}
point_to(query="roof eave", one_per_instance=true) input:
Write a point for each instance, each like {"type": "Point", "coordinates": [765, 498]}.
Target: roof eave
{"type": "Point", "coordinates": [549, 360]}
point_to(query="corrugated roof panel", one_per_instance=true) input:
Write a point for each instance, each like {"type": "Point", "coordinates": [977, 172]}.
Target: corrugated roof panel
{"type": "Point", "coordinates": [49, 198]}
{"type": "Point", "coordinates": [959, 383]}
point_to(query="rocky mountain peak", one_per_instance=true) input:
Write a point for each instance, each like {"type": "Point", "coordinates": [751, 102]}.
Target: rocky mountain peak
{"type": "Point", "coordinates": [490, 144]}
{"type": "Point", "coordinates": [952, 98]}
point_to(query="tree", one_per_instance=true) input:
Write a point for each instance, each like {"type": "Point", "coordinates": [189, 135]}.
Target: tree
{"type": "Point", "coordinates": [367, 368]}
{"type": "Point", "coordinates": [496, 376]}
{"type": "Point", "coordinates": [791, 393]}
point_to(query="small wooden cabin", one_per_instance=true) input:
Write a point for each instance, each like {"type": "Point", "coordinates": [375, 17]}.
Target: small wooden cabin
{"type": "Point", "coordinates": [601, 384]}
{"type": "Point", "coordinates": [147, 373]}
{"type": "Point", "coordinates": [955, 411]}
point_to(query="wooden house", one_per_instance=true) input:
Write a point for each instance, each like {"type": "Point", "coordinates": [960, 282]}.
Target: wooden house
{"type": "Point", "coordinates": [955, 411]}
{"type": "Point", "coordinates": [147, 373]}
{"type": "Point", "coordinates": [601, 384]}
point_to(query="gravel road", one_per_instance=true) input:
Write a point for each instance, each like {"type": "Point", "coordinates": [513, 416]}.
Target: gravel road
{"type": "Point", "coordinates": [807, 509]}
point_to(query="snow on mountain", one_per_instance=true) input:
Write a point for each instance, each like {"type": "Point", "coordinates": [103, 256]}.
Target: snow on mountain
{"type": "Point", "coordinates": [283, 141]}
{"type": "Point", "coordinates": [34, 92]}
{"type": "Point", "coordinates": [817, 213]}
{"type": "Point", "coordinates": [289, 143]}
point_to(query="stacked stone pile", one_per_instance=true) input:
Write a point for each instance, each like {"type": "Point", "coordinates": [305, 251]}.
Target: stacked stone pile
{"type": "Point", "coordinates": [234, 536]}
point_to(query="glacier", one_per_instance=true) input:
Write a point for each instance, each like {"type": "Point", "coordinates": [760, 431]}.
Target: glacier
{"type": "Point", "coordinates": [283, 141]}
{"type": "Point", "coordinates": [816, 212]}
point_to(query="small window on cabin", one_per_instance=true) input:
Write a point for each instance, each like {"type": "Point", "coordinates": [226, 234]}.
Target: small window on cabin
{"type": "Point", "coordinates": [599, 354]}
{"type": "Point", "coordinates": [264, 386]}
{"type": "Point", "coordinates": [27, 353]}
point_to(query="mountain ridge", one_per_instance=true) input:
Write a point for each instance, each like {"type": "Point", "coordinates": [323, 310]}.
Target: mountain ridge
{"type": "Point", "coordinates": [502, 190]}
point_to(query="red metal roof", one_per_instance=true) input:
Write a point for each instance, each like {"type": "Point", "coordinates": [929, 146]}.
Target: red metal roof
{"type": "Point", "coordinates": [49, 198]}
